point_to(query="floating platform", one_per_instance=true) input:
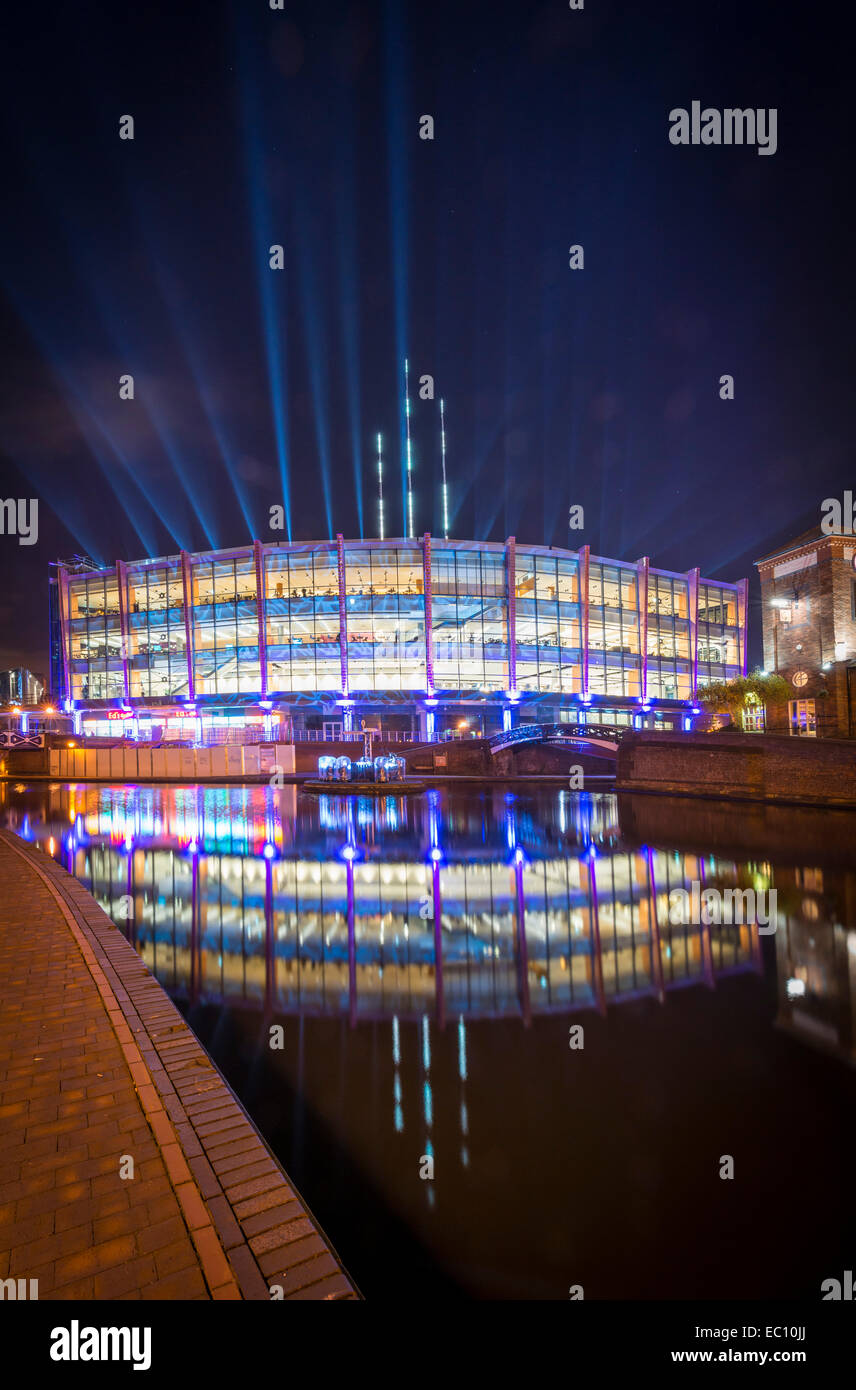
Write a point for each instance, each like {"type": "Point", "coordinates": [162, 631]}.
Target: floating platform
{"type": "Point", "coordinates": [365, 788]}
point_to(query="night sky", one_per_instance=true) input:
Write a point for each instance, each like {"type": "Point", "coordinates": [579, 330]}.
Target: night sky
{"type": "Point", "coordinates": [300, 127]}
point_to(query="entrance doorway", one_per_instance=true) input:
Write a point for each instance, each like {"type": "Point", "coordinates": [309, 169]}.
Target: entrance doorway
{"type": "Point", "coordinates": [803, 718]}
{"type": "Point", "coordinates": [332, 730]}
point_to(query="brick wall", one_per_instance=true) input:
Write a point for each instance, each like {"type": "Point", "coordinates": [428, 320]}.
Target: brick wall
{"type": "Point", "coordinates": [767, 768]}
{"type": "Point", "coordinates": [825, 635]}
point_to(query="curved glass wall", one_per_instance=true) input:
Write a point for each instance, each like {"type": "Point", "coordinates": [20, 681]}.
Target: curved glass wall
{"type": "Point", "coordinates": [381, 590]}
{"type": "Point", "coordinates": [157, 637]}
{"type": "Point", "coordinates": [613, 630]}
{"type": "Point", "coordinates": [302, 618]}
{"type": "Point", "coordinates": [469, 619]}
{"type": "Point", "coordinates": [669, 656]}
{"type": "Point", "coordinates": [225, 632]}
{"type": "Point", "coordinates": [547, 622]}
{"type": "Point", "coordinates": [95, 638]}
{"type": "Point", "coordinates": [385, 617]}
{"type": "Point", "coordinates": [718, 643]}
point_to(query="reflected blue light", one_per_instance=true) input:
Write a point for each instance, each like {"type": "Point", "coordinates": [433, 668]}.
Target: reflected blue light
{"type": "Point", "coordinates": [462, 1051]}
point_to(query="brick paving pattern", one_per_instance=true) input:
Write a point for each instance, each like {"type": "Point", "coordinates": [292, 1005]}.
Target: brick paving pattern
{"type": "Point", "coordinates": [96, 1063]}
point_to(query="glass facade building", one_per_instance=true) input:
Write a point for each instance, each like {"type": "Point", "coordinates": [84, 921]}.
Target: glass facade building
{"type": "Point", "coordinates": [416, 630]}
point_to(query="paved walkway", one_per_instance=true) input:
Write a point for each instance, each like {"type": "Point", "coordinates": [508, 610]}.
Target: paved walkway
{"type": "Point", "coordinates": [97, 1066]}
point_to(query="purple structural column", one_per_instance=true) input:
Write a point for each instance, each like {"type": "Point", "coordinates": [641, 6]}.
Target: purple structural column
{"type": "Point", "coordinates": [122, 585]}
{"type": "Point", "coordinates": [742, 625]}
{"type": "Point", "coordinates": [429, 634]}
{"type": "Point", "coordinates": [584, 555]}
{"type": "Point", "coordinates": [261, 607]}
{"type": "Point", "coordinates": [187, 588]}
{"type": "Point", "coordinates": [692, 601]}
{"type": "Point", "coordinates": [511, 590]}
{"type": "Point", "coordinates": [642, 569]}
{"type": "Point", "coordinates": [343, 614]}
{"type": "Point", "coordinates": [65, 629]}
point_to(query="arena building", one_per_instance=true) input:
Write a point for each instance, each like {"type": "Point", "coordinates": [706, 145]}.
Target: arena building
{"type": "Point", "coordinates": [414, 637]}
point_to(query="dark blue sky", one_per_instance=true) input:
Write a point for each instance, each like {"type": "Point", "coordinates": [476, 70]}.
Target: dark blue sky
{"type": "Point", "coordinates": [301, 127]}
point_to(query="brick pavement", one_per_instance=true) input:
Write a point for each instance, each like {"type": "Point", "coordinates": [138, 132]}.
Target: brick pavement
{"type": "Point", "coordinates": [96, 1064]}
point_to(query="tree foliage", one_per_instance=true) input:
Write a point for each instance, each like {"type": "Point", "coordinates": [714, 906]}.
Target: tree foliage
{"type": "Point", "coordinates": [729, 697]}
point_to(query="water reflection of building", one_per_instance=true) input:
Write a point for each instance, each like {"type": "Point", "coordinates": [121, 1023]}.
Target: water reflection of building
{"type": "Point", "coordinates": [816, 959]}
{"type": "Point", "coordinates": [380, 911]}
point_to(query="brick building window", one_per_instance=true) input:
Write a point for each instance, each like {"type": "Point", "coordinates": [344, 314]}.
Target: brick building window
{"type": "Point", "coordinates": [853, 599]}
{"type": "Point", "coordinates": [754, 715]}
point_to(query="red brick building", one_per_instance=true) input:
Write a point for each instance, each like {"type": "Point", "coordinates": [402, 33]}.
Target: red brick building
{"type": "Point", "coordinates": [808, 598]}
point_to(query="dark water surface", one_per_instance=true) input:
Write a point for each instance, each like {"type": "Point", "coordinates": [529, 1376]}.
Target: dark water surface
{"type": "Point", "coordinates": [427, 959]}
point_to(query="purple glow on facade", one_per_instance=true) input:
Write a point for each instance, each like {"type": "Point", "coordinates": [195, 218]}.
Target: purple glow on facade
{"type": "Point", "coordinates": [187, 590]}
{"type": "Point", "coordinates": [511, 575]}
{"type": "Point", "coordinates": [343, 614]}
{"type": "Point", "coordinates": [429, 642]}
{"type": "Point", "coordinates": [584, 617]}
{"type": "Point", "coordinates": [642, 567]}
{"type": "Point", "coordinates": [122, 586]}
{"type": "Point", "coordinates": [258, 556]}
{"type": "Point", "coordinates": [692, 600]}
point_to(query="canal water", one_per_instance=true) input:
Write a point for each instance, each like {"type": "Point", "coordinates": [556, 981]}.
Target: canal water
{"type": "Point", "coordinates": [492, 986]}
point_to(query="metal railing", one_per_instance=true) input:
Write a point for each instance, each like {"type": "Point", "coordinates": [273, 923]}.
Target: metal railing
{"type": "Point", "coordinates": [538, 733]}
{"type": "Point", "coordinates": [353, 736]}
